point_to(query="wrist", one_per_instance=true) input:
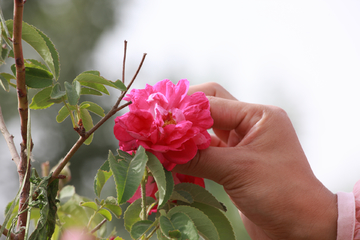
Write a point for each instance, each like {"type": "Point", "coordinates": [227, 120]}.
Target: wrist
{"type": "Point", "coordinates": [319, 218]}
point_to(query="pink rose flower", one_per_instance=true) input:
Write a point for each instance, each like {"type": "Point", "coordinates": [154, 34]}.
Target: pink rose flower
{"type": "Point", "coordinates": [166, 122]}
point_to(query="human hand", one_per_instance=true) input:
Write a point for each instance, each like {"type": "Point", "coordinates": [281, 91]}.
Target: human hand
{"type": "Point", "coordinates": [256, 155]}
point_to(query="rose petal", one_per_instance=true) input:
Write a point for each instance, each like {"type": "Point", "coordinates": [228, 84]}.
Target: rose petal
{"type": "Point", "coordinates": [188, 152]}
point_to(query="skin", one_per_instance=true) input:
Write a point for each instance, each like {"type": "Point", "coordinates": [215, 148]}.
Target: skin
{"type": "Point", "coordinates": [256, 156]}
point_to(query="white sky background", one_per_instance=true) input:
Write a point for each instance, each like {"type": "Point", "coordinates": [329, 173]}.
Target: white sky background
{"type": "Point", "coordinates": [303, 56]}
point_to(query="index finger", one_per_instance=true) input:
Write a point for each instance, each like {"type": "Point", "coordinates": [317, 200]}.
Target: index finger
{"type": "Point", "coordinates": [211, 89]}
{"type": "Point", "coordinates": [234, 115]}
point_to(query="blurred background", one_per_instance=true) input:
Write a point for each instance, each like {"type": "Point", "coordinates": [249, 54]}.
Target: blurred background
{"type": "Point", "coordinates": [303, 56]}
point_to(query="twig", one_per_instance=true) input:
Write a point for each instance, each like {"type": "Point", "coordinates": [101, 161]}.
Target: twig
{"type": "Point", "coordinates": [98, 226]}
{"type": "Point", "coordinates": [9, 140]}
{"type": "Point", "coordinates": [23, 112]}
{"type": "Point", "coordinates": [105, 118]}
{"type": "Point", "coordinates": [82, 139]}
{"type": "Point", "coordinates": [131, 82]}
{"type": "Point", "coordinates": [6, 233]}
{"type": "Point", "coordinates": [124, 60]}
{"type": "Point", "coordinates": [45, 167]}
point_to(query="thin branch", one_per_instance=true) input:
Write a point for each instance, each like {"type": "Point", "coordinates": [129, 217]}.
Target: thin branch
{"type": "Point", "coordinates": [131, 82]}
{"type": "Point", "coordinates": [66, 159]}
{"type": "Point", "coordinates": [82, 139]}
{"type": "Point", "coordinates": [20, 69]}
{"type": "Point", "coordinates": [9, 140]}
{"type": "Point", "coordinates": [124, 60]}
{"type": "Point", "coordinates": [23, 104]}
{"type": "Point", "coordinates": [6, 233]}
{"type": "Point", "coordinates": [105, 118]}
{"type": "Point", "coordinates": [98, 226]}
{"type": "Point", "coordinates": [123, 106]}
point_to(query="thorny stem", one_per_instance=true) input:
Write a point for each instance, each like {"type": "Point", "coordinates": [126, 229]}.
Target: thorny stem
{"type": "Point", "coordinates": [9, 140]}
{"type": "Point", "coordinates": [82, 139]}
{"type": "Point", "coordinates": [23, 112]}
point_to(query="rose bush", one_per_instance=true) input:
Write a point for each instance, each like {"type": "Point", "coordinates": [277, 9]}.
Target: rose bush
{"type": "Point", "coordinates": [166, 122]}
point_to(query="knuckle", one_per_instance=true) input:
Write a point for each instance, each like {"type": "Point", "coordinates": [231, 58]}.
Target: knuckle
{"type": "Point", "coordinates": [277, 111]}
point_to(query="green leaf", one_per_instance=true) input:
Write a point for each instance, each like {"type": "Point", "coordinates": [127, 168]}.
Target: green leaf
{"type": "Point", "coordinates": [88, 124]}
{"type": "Point", "coordinates": [105, 213]}
{"type": "Point", "coordinates": [35, 63]}
{"type": "Point", "coordinates": [66, 192]}
{"type": "Point", "coordinates": [112, 205]}
{"type": "Point", "coordinates": [175, 234]}
{"type": "Point", "coordinates": [58, 100]}
{"type": "Point", "coordinates": [37, 78]}
{"type": "Point", "coordinates": [132, 213]}
{"type": "Point", "coordinates": [64, 113]}
{"type": "Point", "coordinates": [93, 107]}
{"type": "Point", "coordinates": [3, 48]}
{"type": "Point", "coordinates": [4, 53]}
{"type": "Point", "coordinates": [169, 185]}
{"type": "Point", "coordinates": [157, 170]}
{"type": "Point", "coordinates": [127, 172]}
{"type": "Point", "coordinates": [41, 99]}
{"type": "Point", "coordinates": [5, 80]}
{"type": "Point", "coordinates": [46, 224]}
{"type": "Point", "coordinates": [102, 175]}
{"type": "Point", "coordinates": [118, 238]}
{"type": "Point", "coordinates": [179, 226]}
{"type": "Point", "coordinates": [4, 83]}
{"type": "Point", "coordinates": [89, 91]}
{"type": "Point", "coordinates": [139, 228]}
{"type": "Point", "coordinates": [177, 196]}
{"type": "Point", "coordinates": [54, 55]}
{"type": "Point", "coordinates": [8, 207]}
{"type": "Point", "coordinates": [90, 205]}
{"type": "Point", "coordinates": [219, 219]}
{"type": "Point", "coordinates": [73, 92]}
{"type": "Point", "coordinates": [183, 196]}
{"type": "Point", "coordinates": [13, 69]}
{"type": "Point", "coordinates": [71, 214]}
{"type": "Point", "coordinates": [95, 86]}
{"type": "Point", "coordinates": [41, 43]}
{"type": "Point", "coordinates": [5, 31]}
{"type": "Point", "coordinates": [92, 78]}
{"type": "Point", "coordinates": [160, 235]}
{"type": "Point", "coordinates": [120, 85]}
{"type": "Point", "coordinates": [199, 194]}
{"type": "Point", "coordinates": [166, 226]}
{"type": "Point", "coordinates": [56, 92]}
{"type": "Point", "coordinates": [10, 212]}
{"type": "Point", "coordinates": [202, 222]}
{"type": "Point", "coordinates": [94, 72]}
